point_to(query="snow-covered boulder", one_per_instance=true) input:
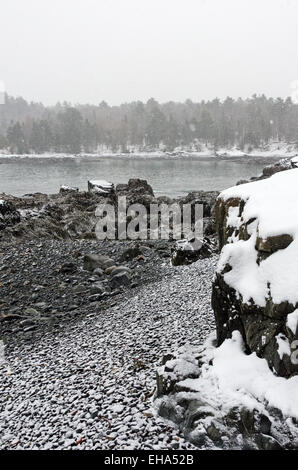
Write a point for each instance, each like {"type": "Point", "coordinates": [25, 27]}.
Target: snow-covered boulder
{"type": "Point", "coordinates": [255, 290]}
{"type": "Point", "coordinates": [68, 189]}
{"type": "Point", "coordinates": [102, 187]}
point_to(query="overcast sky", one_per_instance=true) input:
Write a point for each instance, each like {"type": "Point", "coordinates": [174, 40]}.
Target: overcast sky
{"type": "Point", "coordinates": [126, 50]}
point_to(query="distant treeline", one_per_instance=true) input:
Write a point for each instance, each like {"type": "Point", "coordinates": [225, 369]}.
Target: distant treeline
{"type": "Point", "coordinates": [32, 127]}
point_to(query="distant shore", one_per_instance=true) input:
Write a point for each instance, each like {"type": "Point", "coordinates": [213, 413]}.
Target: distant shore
{"type": "Point", "coordinates": [151, 155]}
{"type": "Point", "coordinates": [274, 150]}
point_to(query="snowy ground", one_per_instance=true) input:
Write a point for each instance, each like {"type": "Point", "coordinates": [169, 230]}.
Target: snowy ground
{"type": "Point", "coordinates": [89, 385]}
{"type": "Point", "coordinates": [272, 150]}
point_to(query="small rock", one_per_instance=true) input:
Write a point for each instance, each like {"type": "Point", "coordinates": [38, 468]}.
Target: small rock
{"type": "Point", "coordinates": [95, 297]}
{"type": "Point", "coordinates": [110, 269]}
{"type": "Point", "coordinates": [31, 311]}
{"type": "Point", "coordinates": [91, 262]}
{"type": "Point", "coordinates": [121, 269]}
{"type": "Point", "coordinates": [98, 272]}
{"type": "Point", "coordinates": [121, 279]}
{"type": "Point", "coordinates": [68, 268]}
{"type": "Point", "coordinates": [97, 288]}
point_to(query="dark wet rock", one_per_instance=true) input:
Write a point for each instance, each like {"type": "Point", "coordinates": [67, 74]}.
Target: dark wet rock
{"type": "Point", "coordinates": [30, 328]}
{"type": "Point", "coordinates": [136, 191]}
{"type": "Point", "coordinates": [267, 442]}
{"type": "Point", "coordinates": [276, 168]}
{"type": "Point", "coordinates": [187, 252]}
{"type": "Point", "coordinates": [68, 267]}
{"type": "Point", "coordinates": [209, 226]}
{"type": "Point", "coordinates": [131, 253]}
{"type": "Point", "coordinates": [206, 198]}
{"type": "Point", "coordinates": [97, 288]}
{"type": "Point", "coordinates": [93, 261]}
{"type": "Point", "coordinates": [269, 170]}
{"type": "Point", "coordinates": [120, 279]}
{"type": "Point", "coordinates": [31, 311]}
{"type": "Point", "coordinates": [98, 272]}
{"type": "Point", "coordinates": [26, 322]}
{"type": "Point", "coordinates": [121, 269]}
{"type": "Point", "coordinates": [95, 297]}
{"type": "Point", "coordinates": [241, 182]}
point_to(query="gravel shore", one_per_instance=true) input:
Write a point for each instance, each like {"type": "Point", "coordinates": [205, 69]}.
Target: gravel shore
{"type": "Point", "coordinates": [87, 381]}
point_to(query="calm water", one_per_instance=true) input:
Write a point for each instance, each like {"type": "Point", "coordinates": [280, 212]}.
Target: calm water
{"type": "Point", "coordinates": [168, 176]}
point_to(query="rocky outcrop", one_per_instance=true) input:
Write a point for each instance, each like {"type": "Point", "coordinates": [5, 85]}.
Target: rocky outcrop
{"type": "Point", "coordinates": [136, 191]}
{"type": "Point", "coordinates": [269, 170]}
{"type": "Point", "coordinates": [71, 214]}
{"type": "Point", "coordinates": [254, 287]}
{"type": "Point", "coordinates": [8, 214]}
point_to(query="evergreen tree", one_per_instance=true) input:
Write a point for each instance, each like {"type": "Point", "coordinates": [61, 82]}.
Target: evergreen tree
{"type": "Point", "coordinates": [16, 139]}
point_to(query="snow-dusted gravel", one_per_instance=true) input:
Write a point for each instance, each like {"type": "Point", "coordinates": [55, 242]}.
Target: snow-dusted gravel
{"type": "Point", "coordinates": [89, 384]}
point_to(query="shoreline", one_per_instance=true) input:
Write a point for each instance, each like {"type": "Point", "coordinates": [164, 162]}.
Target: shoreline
{"type": "Point", "coordinates": [258, 156]}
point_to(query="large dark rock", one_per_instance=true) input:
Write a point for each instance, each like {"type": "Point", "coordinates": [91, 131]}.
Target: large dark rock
{"type": "Point", "coordinates": [270, 170]}
{"type": "Point", "coordinates": [93, 261]}
{"type": "Point", "coordinates": [131, 252]}
{"type": "Point", "coordinates": [206, 198]}
{"type": "Point", "coordinates": [120, 280]}
{"type": "Point", "coordinates": [135, 185]}
{"type": "Point", "coordinates": [187, 252]}
{"type": "Point", "coordinates": [137, 191]}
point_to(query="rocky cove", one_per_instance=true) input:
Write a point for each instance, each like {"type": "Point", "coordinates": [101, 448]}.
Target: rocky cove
{"type": "Point", "coordinates": [86, 323]}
